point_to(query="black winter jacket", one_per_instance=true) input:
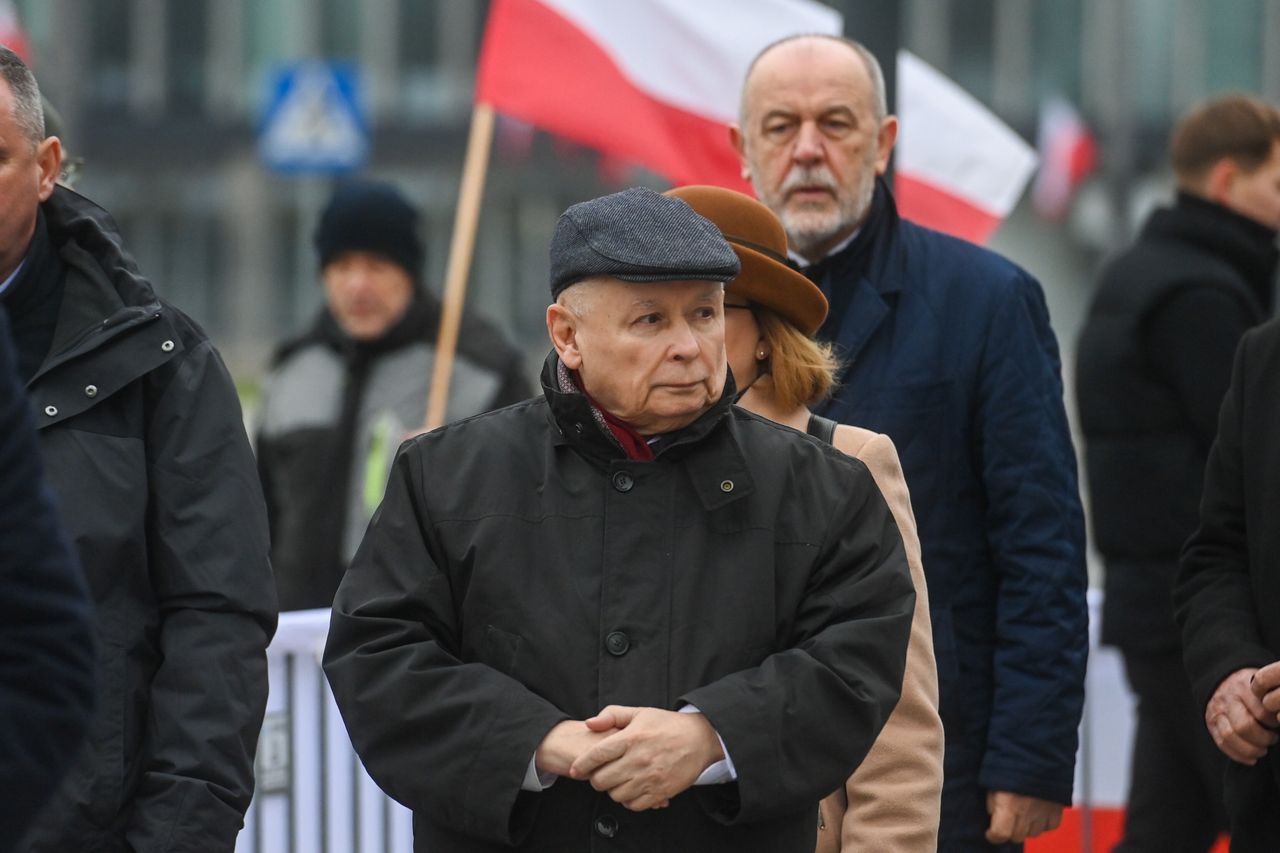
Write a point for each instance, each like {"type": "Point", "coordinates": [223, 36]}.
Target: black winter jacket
{"type": "Point", "coordinates": [146, 449]}
{"type": "Point", "coordinates": [333, 412]}
{"type": "Point", "coordinates": [1154, 360]}
{"type": "Point", "coordinates": [522, 571]}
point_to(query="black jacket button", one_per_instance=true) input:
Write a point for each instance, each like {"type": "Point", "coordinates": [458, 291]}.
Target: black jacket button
{"type": "Point", "coordinates": [617, 643]}
{"type": "Point", "coordinates": [622, 481]}
{"type": "Point", "coordinates": [607, 825]}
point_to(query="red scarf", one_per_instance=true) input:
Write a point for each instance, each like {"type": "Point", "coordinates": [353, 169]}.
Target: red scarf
{"type": "Point", "coordinates": [633, 443]}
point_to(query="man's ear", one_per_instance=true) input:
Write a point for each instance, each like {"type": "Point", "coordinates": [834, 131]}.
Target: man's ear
{"type": "Point", "coordinates": [49, 161]}
{"type": "Point", "coordinates": [562, 327]}
{"type": "Point", "coordinates": [885, 140]}
{"type": "Point", "coordinates": [1218, 183]}
{"type": "Point", "coordinates": [739, 143]}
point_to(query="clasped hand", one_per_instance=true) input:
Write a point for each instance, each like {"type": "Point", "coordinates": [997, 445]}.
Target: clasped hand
{"type": "Point", "coordinates": [641, 756]}
{"type": "Point", "coordinates": [1241, 714]}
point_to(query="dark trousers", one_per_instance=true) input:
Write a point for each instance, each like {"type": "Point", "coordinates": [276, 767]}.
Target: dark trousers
{"type": "Point", "coordinates": [1253, 801]}
{"type": "Point", "coordinates": [1175, 788]}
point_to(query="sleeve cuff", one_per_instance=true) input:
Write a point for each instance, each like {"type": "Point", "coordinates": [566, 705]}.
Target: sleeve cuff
{"type": "Point", "coordinates": [722, 771]}
{"type": "Point", "coordinates": [536, 780]}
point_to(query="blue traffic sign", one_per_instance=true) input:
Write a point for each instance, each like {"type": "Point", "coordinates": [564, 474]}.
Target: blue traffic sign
{"type": "Point", "coordinates": [315, 120]}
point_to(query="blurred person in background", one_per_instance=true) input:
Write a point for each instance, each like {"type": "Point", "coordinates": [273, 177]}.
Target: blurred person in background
{"type": "Point", "coordinates": [1227, 594]}
{"type": "Point", "coordinates": [341, 397]}
{"type": "Point", "coordinates": [145, 449]}
{"type": "Point", "coordinates": [947, 349]}
{"type": "Point", "coordinates": [1154, 361]}
{"type": "Point", "coordinates": [627, 615]}
{"type": "Point", "coordinates": [46, 621]}
{"type": "Point", "coordinates": [891, 802]}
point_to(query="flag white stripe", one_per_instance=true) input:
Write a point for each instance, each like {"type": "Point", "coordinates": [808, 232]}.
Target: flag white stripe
{"type": "Point", "coordinates": [950, 140]}
{"type": "Point", "coordinates": [693, 54]}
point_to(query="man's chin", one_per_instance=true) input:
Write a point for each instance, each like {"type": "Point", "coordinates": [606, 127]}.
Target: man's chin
{"type": "Point", "coordinates": [810, 228]}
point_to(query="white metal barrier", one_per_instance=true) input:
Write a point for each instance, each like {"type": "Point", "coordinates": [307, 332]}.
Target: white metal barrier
{"type": "Point", "coordinates": [313, 795]}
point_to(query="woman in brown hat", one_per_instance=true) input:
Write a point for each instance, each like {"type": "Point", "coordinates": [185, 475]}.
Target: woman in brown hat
{"type": "Point", "coordinates": [892, 801]}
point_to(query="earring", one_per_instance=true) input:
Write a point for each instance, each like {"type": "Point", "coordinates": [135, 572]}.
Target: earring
{"type": "Point", "coordinates": [760, 354]}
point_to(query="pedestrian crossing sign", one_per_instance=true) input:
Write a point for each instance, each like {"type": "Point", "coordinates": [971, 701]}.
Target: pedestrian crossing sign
{"type": "Point", "coordinates": [315, 120]}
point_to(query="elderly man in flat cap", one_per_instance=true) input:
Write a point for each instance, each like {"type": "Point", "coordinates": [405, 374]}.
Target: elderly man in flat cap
{"type": "Point", "coordinates": [627, 615]}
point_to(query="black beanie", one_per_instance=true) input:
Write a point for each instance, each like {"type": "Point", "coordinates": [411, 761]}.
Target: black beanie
{"type": "Point", "coordinates": [370, 216]}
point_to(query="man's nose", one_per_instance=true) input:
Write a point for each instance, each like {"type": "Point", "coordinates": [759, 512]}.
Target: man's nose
{"type": "Point", "coordinates": [808, 148]}
{"type": "Point", "coordinates": [684, 345]}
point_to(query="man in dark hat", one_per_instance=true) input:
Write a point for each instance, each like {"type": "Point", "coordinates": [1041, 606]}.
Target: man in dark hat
{"type": "Point", "coordinates": [626, 615]}
{"type": "Point", "coordinates": [342, 396]}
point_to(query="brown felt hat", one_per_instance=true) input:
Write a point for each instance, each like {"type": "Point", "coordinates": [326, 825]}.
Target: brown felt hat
{"type": "Point", "coordinates": [760, 242]}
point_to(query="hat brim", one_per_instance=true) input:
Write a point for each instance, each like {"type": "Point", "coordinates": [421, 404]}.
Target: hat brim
{"type": "Point", "coordinates": [779, 288]}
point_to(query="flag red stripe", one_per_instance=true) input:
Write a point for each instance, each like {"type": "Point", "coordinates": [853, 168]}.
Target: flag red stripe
{"type": "Point", "coordinates": [542, 68]}
{"type": "Point", "coordinates": [927, 204]}
{"type": "Point", "coordinates": [1101, 829]}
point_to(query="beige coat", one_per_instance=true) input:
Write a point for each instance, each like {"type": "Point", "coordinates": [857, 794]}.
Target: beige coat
{"type": "Point", "coordinates": [892, 801]}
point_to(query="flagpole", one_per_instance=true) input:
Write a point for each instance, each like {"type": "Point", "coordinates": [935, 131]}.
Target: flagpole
{"type": "Point", "coordinates": [461, 249]}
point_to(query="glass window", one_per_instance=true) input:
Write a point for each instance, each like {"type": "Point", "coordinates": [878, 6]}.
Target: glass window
{"type": "Point", "coordinates": [186, 54]}
{"type": "Point", "coordinates": [1233, 45]}
{"type": "Point", "coordinates": [419, 52]}
{"type": "Point", "coordinates": [109, 52]}
{"type": "Point", "coordinates": [1058, 25]}
{"type": "Point", "coordinates": [340, 29]}
{"type": "Point", "coordinates": [1148, 63]}
{"type": "Point", "coordinates": [972, 46]}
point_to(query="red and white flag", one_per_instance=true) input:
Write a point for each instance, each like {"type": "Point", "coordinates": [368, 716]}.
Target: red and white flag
{"type": "Point", "coordinates": [653, 82]}
{"type": "Point", "coordinates": [959, 169]}
{"type": "Point", "coordinates": [12, 35]}
{"type": "Point", "coordinates": [1068, 155]}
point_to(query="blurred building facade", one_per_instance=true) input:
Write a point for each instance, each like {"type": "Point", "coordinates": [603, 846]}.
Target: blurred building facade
{"type": "Point", "coordinates": [162, 99]}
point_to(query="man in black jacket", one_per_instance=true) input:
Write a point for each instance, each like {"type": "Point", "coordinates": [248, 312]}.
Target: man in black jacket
{"type": "Point", "coordinates": [1154, 363]}
{"type": "Point", "coordinates": [627, 615]}
{"type": "Point", "coordinates": [46, 622]}
{"type": "Point", "coordinates": [1227, 595]}
{"type": "Point", "coordinates": [146, 451]}
{"type": "Point", "coordinates": [342, 396]}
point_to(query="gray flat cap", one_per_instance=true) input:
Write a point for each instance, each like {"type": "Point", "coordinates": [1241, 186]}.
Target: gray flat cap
{"type": "Point", "coordinates": [638, 235]}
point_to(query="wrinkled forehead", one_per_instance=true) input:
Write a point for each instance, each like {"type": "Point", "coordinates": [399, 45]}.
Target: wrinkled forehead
{"type": "Point", "coordinates": [807, 73]}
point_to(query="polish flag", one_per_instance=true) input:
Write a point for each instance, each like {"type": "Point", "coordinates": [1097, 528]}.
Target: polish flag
{"type": "Point", "coordinates": [12, 35]}
{"type": "Point", "coordinates": [654, 82]}
{"type": "Point", "coordinates": [959, 169]}
{"type": "Point", "coordinates": [1068, 154]}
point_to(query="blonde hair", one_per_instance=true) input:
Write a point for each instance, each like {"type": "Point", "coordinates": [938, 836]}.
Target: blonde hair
{"type": "Point", "coordinates": [803, 369]}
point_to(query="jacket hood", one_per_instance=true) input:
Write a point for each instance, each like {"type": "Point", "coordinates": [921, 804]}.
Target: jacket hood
{"type": "Point", "coordinates": [77, 221]}
{"type": "Point", "coordinates": [111, 326]}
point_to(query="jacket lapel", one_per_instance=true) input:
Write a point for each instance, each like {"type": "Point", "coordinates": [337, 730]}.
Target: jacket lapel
{"type": "Point", "coordinates": [866, 311]}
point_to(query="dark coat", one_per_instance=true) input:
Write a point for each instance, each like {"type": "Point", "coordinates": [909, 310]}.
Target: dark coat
{"type": "Point", "coordinates": [334, 411]}
{"type": "Point", "coordinates": [949, 352]}
{"type": "Point", "coordinates": [46, 621]}
{"type": "Point", "coordinates": [1227, 596]}
{"type": "Point", "coordinates": [521, 572]}
{"type": "Point", "coordinates": [146, 449]}
{"type": "Point", "coordinates": [1154, 361]}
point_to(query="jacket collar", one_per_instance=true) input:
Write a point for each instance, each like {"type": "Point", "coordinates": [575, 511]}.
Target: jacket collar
{"type": "Point", "coordinates": [108, 309]}
{"type": "Point", "coordinates": [714, 435]}
{"type": "Point", "coordinates": [1247, 246]}
{"type": "Point", "coordinates": [870, 272]}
